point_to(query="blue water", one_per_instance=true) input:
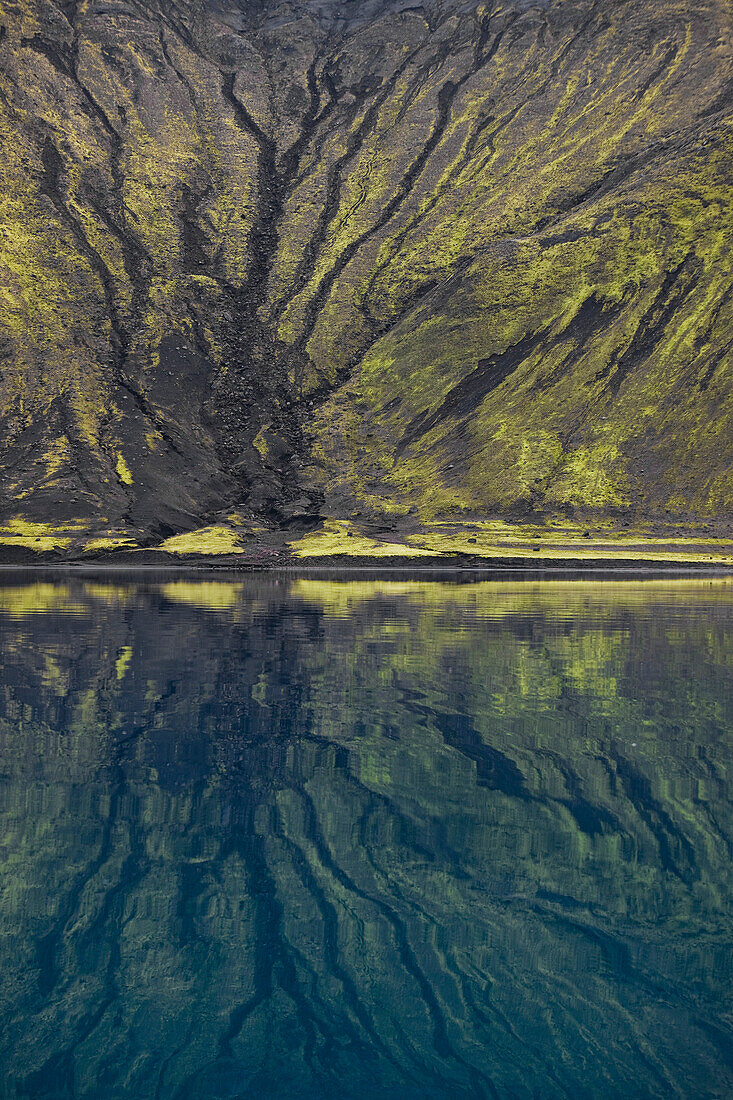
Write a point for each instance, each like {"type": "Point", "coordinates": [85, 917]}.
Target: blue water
{"type": "Point", "coordinates": [307, 838]}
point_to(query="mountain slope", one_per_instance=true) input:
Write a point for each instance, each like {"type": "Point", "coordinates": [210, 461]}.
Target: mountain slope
{"type": "Point", "coordinates": [349, 259]}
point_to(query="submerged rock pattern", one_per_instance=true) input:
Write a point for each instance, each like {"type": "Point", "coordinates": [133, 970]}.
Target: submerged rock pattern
{"type": "Point", "coordinates": [363, 258]}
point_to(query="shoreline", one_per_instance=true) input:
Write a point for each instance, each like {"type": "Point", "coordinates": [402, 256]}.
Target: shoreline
{"type": "Point", "coordinates": [415, 568]}
{"type": "Point", "coordinates": [490, 547]}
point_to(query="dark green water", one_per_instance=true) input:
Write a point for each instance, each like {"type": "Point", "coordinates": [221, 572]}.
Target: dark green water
{"type": "Point", "coordinates": [376, 839]}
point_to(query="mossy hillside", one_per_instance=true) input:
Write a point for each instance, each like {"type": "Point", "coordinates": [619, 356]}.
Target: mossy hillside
{"type": "Point", "coordinates": [339, 537]}
{"type": "Point", "coordinates": [39, 537]}
{"type": "Point", "coordinates": [458, 260]}
{"type": "Point", "coordinates": [209, 540]}
{"type": "Point", "coordinates": [498, 541]}
{"type": "Point", "coordinates": [397, 538]}
{"type": "Point", "coordinates": [51, 320]}
{"type": "Point", "coordinates": [101, 159]}
{"type": "Point", "coordinates": [104, 543]}
{"type": "Point", "coordinates": [569, 426]}
{"type": "Point", "coordinates": [530, 130]}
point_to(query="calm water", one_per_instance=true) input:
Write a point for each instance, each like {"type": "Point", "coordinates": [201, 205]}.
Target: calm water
{"type": "Point", "coordinates": [373, 839]}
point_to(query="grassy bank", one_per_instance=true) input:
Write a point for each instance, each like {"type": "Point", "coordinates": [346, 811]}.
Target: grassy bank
{"type": "Point", "coordinates": [487, 543]}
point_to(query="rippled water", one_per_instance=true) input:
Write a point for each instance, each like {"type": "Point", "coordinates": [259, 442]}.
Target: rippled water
{"type": "Point", "coordinates": [370, 839]}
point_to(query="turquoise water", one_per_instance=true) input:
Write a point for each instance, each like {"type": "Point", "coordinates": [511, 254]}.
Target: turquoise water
{"type": "Point", "coordinates": [304, 838]}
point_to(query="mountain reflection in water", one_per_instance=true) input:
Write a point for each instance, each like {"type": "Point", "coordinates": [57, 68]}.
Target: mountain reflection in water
{"type": "Point", "coordinates": [304, 838]}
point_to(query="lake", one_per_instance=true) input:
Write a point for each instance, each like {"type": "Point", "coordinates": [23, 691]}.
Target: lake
{"type": "Point", "coordinates": [302, 837]}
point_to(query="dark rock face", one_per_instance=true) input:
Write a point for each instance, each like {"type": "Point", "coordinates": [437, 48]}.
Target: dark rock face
{"type": "Point", "coordinates": [367, 257]}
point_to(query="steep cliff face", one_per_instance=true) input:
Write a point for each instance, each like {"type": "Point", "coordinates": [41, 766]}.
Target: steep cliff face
{"type": "Point", "coordinates": [364, 258]}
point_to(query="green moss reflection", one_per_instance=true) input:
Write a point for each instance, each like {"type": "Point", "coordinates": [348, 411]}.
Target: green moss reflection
{"type": "Point", "coordinates": [309, 838]}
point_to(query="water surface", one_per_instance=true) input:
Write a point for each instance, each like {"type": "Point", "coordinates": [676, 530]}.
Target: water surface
{"type": "Point", "coordinates": [304, 838]}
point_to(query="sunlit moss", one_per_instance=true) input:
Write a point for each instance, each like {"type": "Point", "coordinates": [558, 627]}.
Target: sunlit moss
{"type": "Point", "coordinates": [207, 540]}
{"type": "Point", "coordinates": [260, 443]}
{"type": "Point", "coordinates": [109, 542]}
{"type": "Point", "coordinates": [38, 536]}
{"type": "Point", "coordinates": [341, 537]}
{"type": "Point", "coordinates": [123, 470]}
{"type": "Point", "coordinates": [499, 540]}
